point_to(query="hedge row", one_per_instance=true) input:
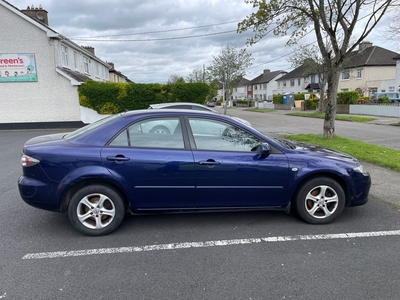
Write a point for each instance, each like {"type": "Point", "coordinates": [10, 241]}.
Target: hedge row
{"type": "Point", "coordinates": [111, 98]}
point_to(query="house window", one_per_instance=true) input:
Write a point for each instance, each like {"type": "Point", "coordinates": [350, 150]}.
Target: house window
{"type": "Point", "coordinates": [97, 70]}
{"type": "Point", "coordinates": [346, 75]}
{"type": "Point", "coordinates": [76, 60]}
{"type": "Point", "coordinates": [264, 86]}
{"type": "Point", "coordinates": [372, 90]}
{"type": "Point", "coordinates": [291, 82]}
{"type": "Point", "coordinates": [279, 83]}
{"type": "Point", "coordinates": [391, 89]}
{"type": "Point", "coordinates": [345, 90]}
{"type": "Point", "coordinates": [284, 83]}
{"type": "Point", "coordinates": [298, 81]}
{"type": "Point", "coordinates": [64, 56]}
{"type": "Point", "coordinates": [359, 73]}
{"type": "Point", "coordinates": [255, 87]}
{"type": "Point", "coordinates": [313, 78]}
{"type": "Point", "coordinates": [86, 64]}
{"type": "Point", "coordinates": [106, 76]}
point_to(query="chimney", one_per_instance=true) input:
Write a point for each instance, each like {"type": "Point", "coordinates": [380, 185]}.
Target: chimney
{"type": "Point", "coordinates": [364, 45]}
{"type": "Point", "coordinates": [112, 65]}
{"type": "Point", "coordinates": [266, 71]}
{"type": "Point", "coordinates": [37, 13]}
{"type": "Point", "coordinates": [89, 48]}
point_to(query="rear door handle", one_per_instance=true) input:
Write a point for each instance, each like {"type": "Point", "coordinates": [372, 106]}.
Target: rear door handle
{"type": "Point", "coordinates": [118, 158]}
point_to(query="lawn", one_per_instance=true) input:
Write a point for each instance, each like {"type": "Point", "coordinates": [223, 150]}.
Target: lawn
{"type": "Point", "coordinates": [261, 110]}
{"type": "Point", "coordinates": [337, 117]}
{"type": "Point", "coordinates": [381, 156]}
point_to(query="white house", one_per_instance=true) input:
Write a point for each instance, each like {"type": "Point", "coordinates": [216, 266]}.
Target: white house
{"type": "Point", "coordinates": [264, 86]}
{"type": "Point", "coordinates": [40, 70]}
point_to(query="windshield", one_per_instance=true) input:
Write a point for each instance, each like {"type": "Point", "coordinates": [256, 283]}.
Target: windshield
{"type": "Point", "coordinates": [90, 127]}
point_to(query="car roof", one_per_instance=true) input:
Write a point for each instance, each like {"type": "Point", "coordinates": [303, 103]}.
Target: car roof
{"type": "Point", "coordinates": [161, 105]}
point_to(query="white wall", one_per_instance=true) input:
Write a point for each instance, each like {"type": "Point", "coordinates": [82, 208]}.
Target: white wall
{"type": "Point", "coordinates": [52, 98]}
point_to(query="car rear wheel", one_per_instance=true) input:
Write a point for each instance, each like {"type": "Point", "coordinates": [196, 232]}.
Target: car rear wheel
{"type": "Point", "coordinates": [160, 130]}
{"type": "Point", "coordinates": [96, 210]}
{"type": "Point", "coordinates": [320, 200]}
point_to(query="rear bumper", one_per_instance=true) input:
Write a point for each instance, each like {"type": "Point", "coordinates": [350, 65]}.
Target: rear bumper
{"type": "Point", "coordinates": [38, 194]}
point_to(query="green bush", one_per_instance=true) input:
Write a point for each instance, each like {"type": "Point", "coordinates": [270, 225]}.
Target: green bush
{"type": "Point", "coordinates": [277, 99]}
{"type": "Point", "coordinates": [384, 99]}
{"type": "Point", "coordinates": [109, 97]}
{"type": "Point", "coordinates": [243, 101]}
{"type": "Point", "coordinates": [350, 97]}
{"type": "Point", "coordinates": [311, 104]}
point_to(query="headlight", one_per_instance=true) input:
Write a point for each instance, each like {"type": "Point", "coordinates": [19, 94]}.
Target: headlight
{"type": "Point", "coordinates": [360, 169]}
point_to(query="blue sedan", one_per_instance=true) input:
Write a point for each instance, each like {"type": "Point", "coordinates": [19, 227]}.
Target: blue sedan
{"type": "Point", "coordinates": [206, 162]}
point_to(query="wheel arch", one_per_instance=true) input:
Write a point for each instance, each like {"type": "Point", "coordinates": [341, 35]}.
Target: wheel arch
{"type": "Point", "coordinates": [333, 176]}
{"type": "Point", "coordinates": [92, 181]}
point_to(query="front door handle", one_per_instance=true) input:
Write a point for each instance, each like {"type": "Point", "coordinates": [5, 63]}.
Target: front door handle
{"type": "Point", "coordinates": [209, 162]}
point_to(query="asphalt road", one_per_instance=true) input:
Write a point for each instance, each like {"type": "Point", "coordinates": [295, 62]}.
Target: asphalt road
{"type": "Point", "coordinates": [241, 255]}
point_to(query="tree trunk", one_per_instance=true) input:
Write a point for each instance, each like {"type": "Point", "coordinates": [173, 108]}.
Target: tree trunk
{"type": "Point", "coordinates": [330, 110]}
{"type": "Point", "coordinates": [226, 95]}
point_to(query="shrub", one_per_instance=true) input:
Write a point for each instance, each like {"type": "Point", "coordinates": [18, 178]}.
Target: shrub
{"type": "Point", "coordinates": [311, 104]}
{"type": "Point", "coordinates": [277, 99]}
{"type": "Point", "coordinates": [109, 97]}
{"type": "Point", "coordinates": [350, 97]}
{"type": "Point", "coordinates": [384, 99]}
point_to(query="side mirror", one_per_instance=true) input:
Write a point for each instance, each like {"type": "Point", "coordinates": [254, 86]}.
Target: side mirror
{"type": "Point", "coordinates": [263, 149]}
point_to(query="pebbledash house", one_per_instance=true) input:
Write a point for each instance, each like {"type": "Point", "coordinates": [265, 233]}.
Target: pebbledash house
{"type": "Point", "coordinates": [40, 71]}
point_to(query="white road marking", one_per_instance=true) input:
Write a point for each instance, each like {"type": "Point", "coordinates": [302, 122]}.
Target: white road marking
{"type": "Point", "coordinates": [173, 246]}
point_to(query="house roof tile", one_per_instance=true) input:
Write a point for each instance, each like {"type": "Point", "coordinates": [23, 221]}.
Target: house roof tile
{"type": "Point", "coordinates": [371, 56]}
{"type": "Point", "coordinates": [266, 77]}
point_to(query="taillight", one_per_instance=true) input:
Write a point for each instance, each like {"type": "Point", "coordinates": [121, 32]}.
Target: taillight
{"type": "Point", "coordinates": [27, 161]}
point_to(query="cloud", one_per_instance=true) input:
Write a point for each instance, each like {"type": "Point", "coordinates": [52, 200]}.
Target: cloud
{"type": "Point", "coordinates": [155, 60]}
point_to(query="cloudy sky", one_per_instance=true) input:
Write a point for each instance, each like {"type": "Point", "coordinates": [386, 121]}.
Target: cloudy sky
{"type": "Point", "coordinates": [149, 41]}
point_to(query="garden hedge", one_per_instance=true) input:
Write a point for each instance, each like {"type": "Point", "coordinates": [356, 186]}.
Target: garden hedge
{"type": "Point", "coordinates": [111, 98]}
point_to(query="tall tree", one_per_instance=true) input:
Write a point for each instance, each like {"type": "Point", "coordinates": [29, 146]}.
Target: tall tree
{"type": "Point", "coordinates": [174, 78]}
{"type": "Point", "coordinates": [198, 75]}
{"type": "Point", "coordinates": [333, 22]}
{"type": "Point", "coordinates": [230, 64]}
{"type": "Point", "coordinates": [309, 57]}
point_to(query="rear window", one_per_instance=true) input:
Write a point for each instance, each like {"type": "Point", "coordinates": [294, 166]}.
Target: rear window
{"type": "Point", "coordinates": [90, 127]}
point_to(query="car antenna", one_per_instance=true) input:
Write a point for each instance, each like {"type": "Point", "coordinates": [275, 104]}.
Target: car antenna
{"type": "Point", "coordinates": [120, 103]}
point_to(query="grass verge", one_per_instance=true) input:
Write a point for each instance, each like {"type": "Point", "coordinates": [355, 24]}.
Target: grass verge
{"type": "Point", "coordinates": [261, 110]}
{"type": "Point", "coordinates": [381, 156]}
{"type": "Point", "coordinates": [337, 117]}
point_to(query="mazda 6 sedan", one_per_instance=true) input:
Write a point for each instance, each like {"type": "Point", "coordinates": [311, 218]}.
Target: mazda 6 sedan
{"type": "Point", "coordinates": [208, 162]}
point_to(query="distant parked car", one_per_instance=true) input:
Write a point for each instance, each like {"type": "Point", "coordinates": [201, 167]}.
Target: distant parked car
{"type": "Point", "coordinates": [210, 103]}
{"type": "Point", "coordinates": [193, 106]}
{"type": "Point", "coordinates": [393, 96]}
{"type": "Point", "coordinates": [208, 162]}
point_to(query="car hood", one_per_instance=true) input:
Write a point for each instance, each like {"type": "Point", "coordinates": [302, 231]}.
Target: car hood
{"type": "Point", "coordinates": [321, 152]}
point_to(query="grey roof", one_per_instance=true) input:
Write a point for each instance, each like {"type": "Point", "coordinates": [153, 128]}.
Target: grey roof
{"type": "Point", "coordinates": [299, 72]}
{"type": "Point", "coordinates": [76, 75]}
{"type": "Point", "coordinates": [371, 56]}
{"type": "Point", "coordinates": [241, 81]}
{"type": "Point", "coordinates": [266, 77]}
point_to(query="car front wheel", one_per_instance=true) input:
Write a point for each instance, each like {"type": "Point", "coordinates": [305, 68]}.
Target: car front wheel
{"type": "Point", "coordinates": [96, 210]}
{"type": "Point", "coordinates": [320, 200]}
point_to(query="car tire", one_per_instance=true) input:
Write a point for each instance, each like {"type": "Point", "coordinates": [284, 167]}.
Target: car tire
{"type": "Point", "coordinates": [96, 210]}
{"type": "Point", "coordinates": [160, 130]}
{"type": "Point", "coordinates": [319, 200]}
